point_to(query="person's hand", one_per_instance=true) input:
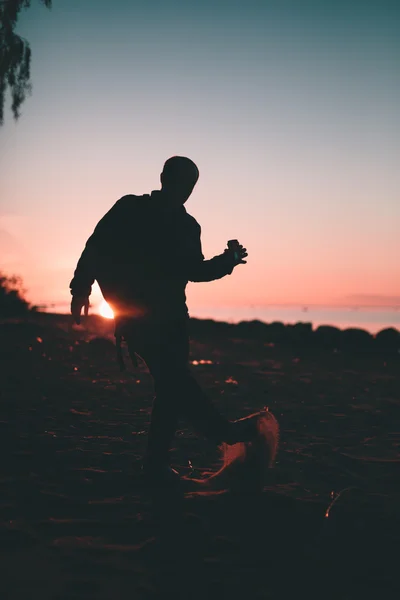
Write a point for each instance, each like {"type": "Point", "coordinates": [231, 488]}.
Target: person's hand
{"type": "Point", "coordinates": [237, 252]}
{"type": "Point", "coordinates": [77, 303]}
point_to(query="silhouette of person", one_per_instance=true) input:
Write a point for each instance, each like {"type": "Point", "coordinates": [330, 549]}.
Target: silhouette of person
{"type": "Point", "coordinates": [142, 253]}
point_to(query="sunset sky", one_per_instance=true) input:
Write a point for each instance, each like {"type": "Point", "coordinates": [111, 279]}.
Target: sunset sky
{"type": "Point", "coordinates": [289, 108]}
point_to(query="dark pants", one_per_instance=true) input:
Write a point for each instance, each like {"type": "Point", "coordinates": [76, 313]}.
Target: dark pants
{"type": "Point", "coordinates": [165, 349]}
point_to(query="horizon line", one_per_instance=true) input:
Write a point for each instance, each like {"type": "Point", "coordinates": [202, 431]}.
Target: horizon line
{"type": "Point", "coordinates": [301, 305]}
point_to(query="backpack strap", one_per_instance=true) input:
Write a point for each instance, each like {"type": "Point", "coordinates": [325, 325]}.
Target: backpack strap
{"type": "Point", "coordinates": [120, 357]}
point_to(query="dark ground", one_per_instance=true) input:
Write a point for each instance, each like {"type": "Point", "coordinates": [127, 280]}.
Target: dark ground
{"type": "Point", "coordinates": [77, 523]}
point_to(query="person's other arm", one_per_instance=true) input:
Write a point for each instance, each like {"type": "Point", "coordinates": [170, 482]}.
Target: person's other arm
{"type": "Point", "coordinates": [85, 272]}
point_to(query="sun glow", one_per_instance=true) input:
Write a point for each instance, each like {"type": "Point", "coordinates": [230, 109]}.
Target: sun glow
{"type": "Point", "coordinates": [105, 310]}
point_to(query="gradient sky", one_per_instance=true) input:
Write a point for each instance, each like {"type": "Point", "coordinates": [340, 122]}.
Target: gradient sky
{"type": "Point", "coordinates": [289, 108]}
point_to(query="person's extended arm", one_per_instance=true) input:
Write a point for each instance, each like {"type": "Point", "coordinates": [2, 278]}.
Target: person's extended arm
{"type": "Point", "coordinates": [198, 269]}
{"type": "Point", "coordinates": [210, 270]}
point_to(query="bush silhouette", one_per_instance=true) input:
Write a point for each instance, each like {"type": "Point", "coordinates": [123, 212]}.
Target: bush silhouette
{"type": "Point", "coordinates": [328, 337]}
{"type": "Point", "coordinates": [355, 339]}
{"type": "Point", "coordinates": [12, 301]}
{"type": "Point", "coordinates": [388, 339]}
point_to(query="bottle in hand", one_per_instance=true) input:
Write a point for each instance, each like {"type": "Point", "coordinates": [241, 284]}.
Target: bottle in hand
{"type": "Point", "coordinates": [234, 245]}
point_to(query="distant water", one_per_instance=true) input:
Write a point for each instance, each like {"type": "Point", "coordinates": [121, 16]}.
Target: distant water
{"type": "Point", "coordinates": [373, 320]}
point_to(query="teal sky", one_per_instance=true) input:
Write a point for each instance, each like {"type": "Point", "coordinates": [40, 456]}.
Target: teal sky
{"type": "Point", "coordinates": [289, 108]}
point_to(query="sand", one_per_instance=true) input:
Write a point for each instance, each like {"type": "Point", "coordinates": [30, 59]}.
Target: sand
{"type": "Point", "coordinates": [77, 522]}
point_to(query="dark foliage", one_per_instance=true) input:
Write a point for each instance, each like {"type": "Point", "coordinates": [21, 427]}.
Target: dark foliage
{"type": "Point", "coordinates": [15, 56]}
{"type": "Point", "coordinates": [12, 301]}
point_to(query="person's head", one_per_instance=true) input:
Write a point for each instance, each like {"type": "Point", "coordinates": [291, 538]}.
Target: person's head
{"type": "Point", "coordinates": [178, 178]}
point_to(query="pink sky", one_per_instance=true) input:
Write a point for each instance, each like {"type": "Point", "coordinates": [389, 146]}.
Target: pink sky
{"type": "Point", "coordinates": [296, 137]}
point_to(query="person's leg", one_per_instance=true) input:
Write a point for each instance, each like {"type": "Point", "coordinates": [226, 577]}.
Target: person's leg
{"type": "Point", "coordinates": [199, 410]}
{"type": "Point", "coordinates": [165, 350]}
{"type": "Point", "coordinates": [152, 348]}
{"type": "Point", "coordinates": [179, 392]}
{"type": "Point", "coordinates": [163, 425]}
